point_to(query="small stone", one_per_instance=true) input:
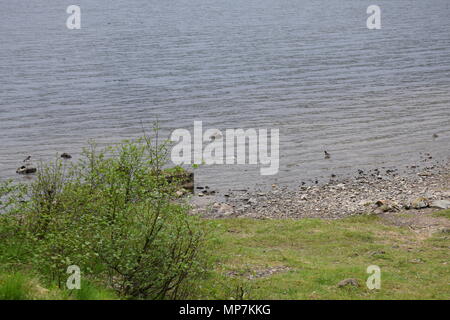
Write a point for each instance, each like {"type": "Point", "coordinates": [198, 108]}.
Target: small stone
{"type": "Point", "coordinates": [378, 211]}
{"type": "Point", "coordinates": [348, 282]}
{"type": "Point", "coordinates": [224, 209]}
{"type": "Point", "coordinates": [385, 206]}
{"type": "Point", "coordinates": [378, 252]}
{"type": "Point", "coordinates": [416, 260]}
{"type": "Point", "coordinates": [424, 174]}
{"type": "Point", "coordinates": [365, 203]}
{"type": "Point", "coordinates": [208, 192]}
{"type": "Point", "coordinates": [179, 193]}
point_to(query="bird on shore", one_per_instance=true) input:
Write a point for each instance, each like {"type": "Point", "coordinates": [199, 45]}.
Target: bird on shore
{"type": "Point", "coordinates": [327, 155]}
{"type": "Point", "coordinates": [27, 159]}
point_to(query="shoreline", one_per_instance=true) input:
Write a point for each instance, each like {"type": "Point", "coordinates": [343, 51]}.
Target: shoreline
{"type": "Point", "coordinates": [376, 191]}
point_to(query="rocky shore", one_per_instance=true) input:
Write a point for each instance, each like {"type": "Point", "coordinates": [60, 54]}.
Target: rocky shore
{"type": "Point", "coordinates": [379, 191]}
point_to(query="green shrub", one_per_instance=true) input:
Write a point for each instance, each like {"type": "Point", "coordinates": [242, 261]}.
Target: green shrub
{"type": "Point", "coordinates": [114, 215]}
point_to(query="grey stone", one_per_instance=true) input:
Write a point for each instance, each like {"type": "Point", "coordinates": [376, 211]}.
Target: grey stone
{"type": "Point", "coordinates": [26, 170]}
{"type": "Point", "coordinates": [223, 209]}
{"type": "Point", "coordinates": [441, 204]}
{"type": "Point", "coordinates": [348, 282]}
{"type": "Point", "coordinates": [420, 203]}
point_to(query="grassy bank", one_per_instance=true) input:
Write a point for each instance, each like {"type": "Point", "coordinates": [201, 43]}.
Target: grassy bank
{"type": "Point", "coordinates": [307, 258]}
{"type": "Point", "coordinates": [27, 285]}
{"type": "Point", "coordinates": [288, 259]}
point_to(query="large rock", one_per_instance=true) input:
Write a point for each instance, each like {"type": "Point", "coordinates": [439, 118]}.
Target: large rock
{"type": "Point", "coordinates": [441, 204]}
{"type": "Point", "coordinates": [26, 170]}
{"type": "Point", "coordinates": [420, 203]}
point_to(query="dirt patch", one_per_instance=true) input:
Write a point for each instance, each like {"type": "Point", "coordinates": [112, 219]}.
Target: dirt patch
{"type": "Point", "coordinates": [421, 222]}
{"type": "Point", "coordinates": [259, 273]}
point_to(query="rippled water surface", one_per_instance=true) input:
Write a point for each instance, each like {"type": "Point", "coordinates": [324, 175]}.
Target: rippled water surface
{"type": "Point", "coordinates": [310, 68]}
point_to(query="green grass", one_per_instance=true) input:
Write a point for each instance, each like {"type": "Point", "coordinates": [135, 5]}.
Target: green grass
{"type": "Point", "coordinates": [313, 255]}
{"type": "Point", "coordinates": [89, 291]}
{"type": "Point", "coordinates": [14, 286]}
{"type": "Point", "coordinates": [443, 213]}
{"type": "Point", "coordinates": [309, 257]}
{"type": "Point", "coordinates": [25, 286]}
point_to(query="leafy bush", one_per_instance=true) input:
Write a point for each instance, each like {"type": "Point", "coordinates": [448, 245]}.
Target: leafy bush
{"type": "Point", "coordinates": [114, 215]}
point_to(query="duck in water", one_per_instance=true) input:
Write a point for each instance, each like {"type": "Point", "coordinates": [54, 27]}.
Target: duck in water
{"type": "Point", "coordinates": [327, 155]}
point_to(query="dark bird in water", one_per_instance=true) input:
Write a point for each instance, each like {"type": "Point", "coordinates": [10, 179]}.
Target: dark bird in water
{"type": "Point", "coordinates": [27, 159]}
{"type": "Point", "coordinates": [435, 135]}
{"type": "Point", "coordinates": [66, 156]}
{"type": "Point", "coordinates": [327, 155]}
